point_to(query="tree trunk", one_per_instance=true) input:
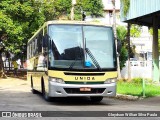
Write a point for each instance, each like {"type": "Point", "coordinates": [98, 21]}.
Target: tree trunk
{"type": "Point", "coordinates": [115, 37]}
{"type": "Point", "coordinates": [72, 11]}
{"type": "Point", "coordinates": [2, 72]}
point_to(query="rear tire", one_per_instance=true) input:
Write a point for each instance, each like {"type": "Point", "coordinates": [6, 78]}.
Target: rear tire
{"type": "Point", "coordinates": [34, 91]}
{"type": "Point", "coordinates": [44, 93]}
{"type": "Point", "coordinates": [96, 99]}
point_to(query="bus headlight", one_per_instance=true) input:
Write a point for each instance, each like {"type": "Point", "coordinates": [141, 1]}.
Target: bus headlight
{"type": "Point", "coordinates": [110, 80]}
{"type": "Point", "coordinates": [57, 80]}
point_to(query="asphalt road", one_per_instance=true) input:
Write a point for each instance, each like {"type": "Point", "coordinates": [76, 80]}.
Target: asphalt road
{"type": "Point", "coordinates": [15, 95]}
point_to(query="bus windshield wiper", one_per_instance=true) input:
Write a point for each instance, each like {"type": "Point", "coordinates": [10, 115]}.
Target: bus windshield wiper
{"type": "Point", "coordinates": [93, 58]}
{"type": "Point", "coordinates": [72, 64]}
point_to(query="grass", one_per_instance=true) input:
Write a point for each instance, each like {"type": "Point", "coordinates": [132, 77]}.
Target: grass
{"type": "Point", "coordinates": [135, 88]}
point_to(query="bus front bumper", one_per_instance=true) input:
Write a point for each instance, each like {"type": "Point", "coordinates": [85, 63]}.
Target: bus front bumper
{"type": "Point", "coordinates": [78, 90]}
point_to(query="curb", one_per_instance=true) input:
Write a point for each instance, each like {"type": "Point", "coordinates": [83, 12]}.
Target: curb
{"type": "Point", "coordinates": [126, 97]}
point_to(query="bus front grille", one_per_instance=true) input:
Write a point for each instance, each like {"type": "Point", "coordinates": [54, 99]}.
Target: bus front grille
{"type": "Point", "coordinates": [72, 82]}
{"type": "Point", "coordinates": [77, 91]}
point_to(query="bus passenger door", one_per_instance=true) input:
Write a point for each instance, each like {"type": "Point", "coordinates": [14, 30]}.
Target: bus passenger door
{"type": "Point", "coordinates": [36, 76]}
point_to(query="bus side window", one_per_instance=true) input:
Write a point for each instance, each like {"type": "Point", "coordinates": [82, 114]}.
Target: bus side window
{"type": "Point", "coordinates": [45, 39]}
{"type": "Point", "coordinates": [41, 62]}
{"type": "Point", "coordinates": [35, 47]}
{"type": "Point", "coordinates": [28, 52]}
{"type": "Point", "coordinates": [30, 49]}
{"type": "Point", "coordinates": [39, 42]}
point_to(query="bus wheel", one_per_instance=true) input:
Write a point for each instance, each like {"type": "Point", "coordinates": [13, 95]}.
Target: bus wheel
{"type": "Point", "coordinates": [96, 99]}
{"type": "Point", "coordinates": [32, 89]}
{"type": "Point", "coordinates": [45, 94]}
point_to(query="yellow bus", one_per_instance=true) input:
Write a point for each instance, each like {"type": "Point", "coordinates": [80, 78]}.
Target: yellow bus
{"type": "Point", "coordinates": [72, 59]}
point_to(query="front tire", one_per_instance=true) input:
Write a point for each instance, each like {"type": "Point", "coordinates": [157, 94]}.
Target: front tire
{"type": "Point", "coordinates": [96, 99]}
{"type": "Point", "coordinates": [45, 94]}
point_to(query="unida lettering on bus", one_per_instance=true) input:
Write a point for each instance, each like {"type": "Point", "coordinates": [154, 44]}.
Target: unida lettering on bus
{"type": "Point", "coordinates": [84, 78]}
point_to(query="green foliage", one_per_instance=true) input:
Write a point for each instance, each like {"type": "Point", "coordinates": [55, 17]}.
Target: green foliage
{"type": "Point", "coordinates": [128, 88]}
{"type": "Point", "coordinates": [90, 7]}
{"type": "Point", "coordinates": [93, 7]}
{"type": "Point", "coordinates": [20, 19]}
{"type": "Point", "coordinates": [137, 80]}
{"type": "Point", "coordinates": [134, 87]}
{"type": "Point", "coordinates": [17, 23]}
{"type": "Point", "coordinates": [123, 56]}
{"type": "Point", "coordinates": [135, 30]}
{"type": "Point", "coordinates": [125, 7]}
{"type": "Point", "coordinates": [60, 7]}
{"type": "Point", "coordinates": [121, 35]}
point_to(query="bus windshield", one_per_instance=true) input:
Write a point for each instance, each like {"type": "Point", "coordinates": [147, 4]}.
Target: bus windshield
{"type": "Point", "coordinates": [69, 46]}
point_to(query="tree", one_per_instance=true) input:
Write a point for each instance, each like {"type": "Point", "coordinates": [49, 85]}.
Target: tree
{"type": "Point", "coordinates": [125, 7]}
{"type": "Point", "coordinates": [121, 35]}
{"type": "Point", "coordinates": [6, 26]}
{"type": "Point", "coordinates": [57, 9]}
{"type": "Point", "coordinates": [19, 19]}
{"type": "Point", "coordinates": [94, 8]}
{"type": "Point", "coordinates": [135, 30]}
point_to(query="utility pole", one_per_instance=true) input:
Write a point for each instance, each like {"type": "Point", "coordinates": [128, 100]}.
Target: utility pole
{"type": "Point", "coordinates": [128, 39]}
{"type": "Point", "coordinates": [115, 37]}
{"type": "Point", "coordinates": [72, 9]}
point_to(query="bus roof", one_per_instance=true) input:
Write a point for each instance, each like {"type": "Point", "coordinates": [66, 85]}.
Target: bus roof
{"type": "Point", "coordinates": [76, 22]}
{"type": "Point", "coordinates": [69, 22]}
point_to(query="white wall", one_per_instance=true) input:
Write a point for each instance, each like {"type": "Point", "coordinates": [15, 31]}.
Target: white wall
{"type": "Point", "coordinates": [108, 4]}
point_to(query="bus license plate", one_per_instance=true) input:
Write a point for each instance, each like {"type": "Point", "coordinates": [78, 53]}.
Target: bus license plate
{"type": "Point", "coordinates": [85, 89]}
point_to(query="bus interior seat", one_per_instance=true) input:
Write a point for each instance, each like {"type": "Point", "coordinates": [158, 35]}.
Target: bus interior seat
{"type": "Point", "coordinates": [75, 53]}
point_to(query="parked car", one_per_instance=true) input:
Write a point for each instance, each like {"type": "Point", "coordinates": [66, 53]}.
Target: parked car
{"type": "Point", "coordinates": [134, 62]}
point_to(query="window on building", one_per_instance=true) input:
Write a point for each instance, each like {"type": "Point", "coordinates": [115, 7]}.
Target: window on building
{"type": "Point", "coordinates": [109, 1]}
{"type": "Point", "coordinates": [110, 13]}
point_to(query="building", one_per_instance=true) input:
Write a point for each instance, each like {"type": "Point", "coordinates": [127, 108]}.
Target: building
{"type": "Point", "coordinates": [107, 16]}
{"type": "Point", "coordinates": [143, 44]}
{"type": "Point", "coordinates": [147, 13]}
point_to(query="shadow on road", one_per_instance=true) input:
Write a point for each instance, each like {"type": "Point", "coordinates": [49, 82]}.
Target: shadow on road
{"type": "Point", "coordinates": [74, 101]}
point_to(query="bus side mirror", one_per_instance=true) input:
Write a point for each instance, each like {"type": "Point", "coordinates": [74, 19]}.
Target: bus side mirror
{"type": "Point", "coordinates": [119, 46]}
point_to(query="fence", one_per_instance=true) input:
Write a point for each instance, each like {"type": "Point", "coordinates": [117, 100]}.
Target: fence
{"type": "Point", "coordinates": [137, 69]}
{"type": "Point", "coordinates": [8, 66]}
